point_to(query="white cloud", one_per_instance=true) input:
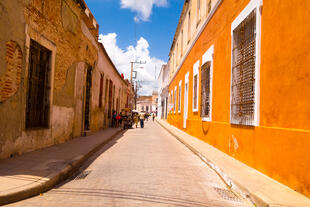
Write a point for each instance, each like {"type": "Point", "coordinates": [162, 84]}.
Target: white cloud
{"type": "Point", "coordinates": [139, 52]}
{"type": "Point", "coordinates": [142, 7]}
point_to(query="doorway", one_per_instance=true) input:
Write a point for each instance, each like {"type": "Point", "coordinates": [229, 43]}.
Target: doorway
{"type": "Point", "coordinates": [39, 87]}
{"type": "Point", "coordinates": [87, 99]}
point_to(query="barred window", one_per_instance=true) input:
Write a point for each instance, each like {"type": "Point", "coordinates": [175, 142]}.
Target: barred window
{"type": "Point", "coordinates": [243, 71]}
{"type": "Point", "coordinates": [205, 89]}
{"type": "Point", "coordinates": [39, 87]}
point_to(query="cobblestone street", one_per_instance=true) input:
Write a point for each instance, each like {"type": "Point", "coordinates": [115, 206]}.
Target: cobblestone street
{"type": "Point", "coordinates": [141, 167]}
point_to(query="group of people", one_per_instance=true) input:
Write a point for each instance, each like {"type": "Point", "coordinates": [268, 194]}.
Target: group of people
{"type": "Point", "coordinates": [137, 117]}
{"type": "Point", "coordinates": [141, 117]}
{"type": "Point", "coordinates": [116, 119]}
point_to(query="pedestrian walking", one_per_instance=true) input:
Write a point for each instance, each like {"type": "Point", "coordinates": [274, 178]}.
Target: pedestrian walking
{"type": "Point", "coordinates": [120, 118]}
{"type": "Point", "coordinates": [153, 116]}
{"type": "Point", "coordinates": [136, 119]}
{"type": "Point", "coordinates": [142, 116]}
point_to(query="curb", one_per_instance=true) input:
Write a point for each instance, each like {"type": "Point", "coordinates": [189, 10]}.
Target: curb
{"type": "Point", "coordinates": [47, 183]}
{"type": "Point", "coordinates": [239, 191]}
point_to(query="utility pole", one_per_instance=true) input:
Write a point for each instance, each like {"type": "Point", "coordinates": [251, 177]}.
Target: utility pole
{"type": "Point", "coordinates": [131, 72]}
{"type": "Point", "coordinates": [132, 64]}
{"type": "Point", "coordinates": [136, 94]}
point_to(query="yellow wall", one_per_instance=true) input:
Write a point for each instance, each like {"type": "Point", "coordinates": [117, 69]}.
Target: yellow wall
{"type": "Point", "coordinates": [280, 145]}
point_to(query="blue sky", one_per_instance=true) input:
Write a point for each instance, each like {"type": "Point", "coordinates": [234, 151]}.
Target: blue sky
{"type": "Point", "coordinates": [137, 30]}
{"type": "Point", "coordinates": [158, 30]}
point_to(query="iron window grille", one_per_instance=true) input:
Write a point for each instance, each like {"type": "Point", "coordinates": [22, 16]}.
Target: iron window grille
{"type": "Point", "coordinates": [243, 71]}
{"type": "Point", "coordinates": [39, 87]}
{"type": "Point", "coordinates": [205, 90]}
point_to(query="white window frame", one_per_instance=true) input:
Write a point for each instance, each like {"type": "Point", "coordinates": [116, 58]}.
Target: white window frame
{"type": "Point", "coordinates": [186, 97]}
{"type": "Point", "coordinates": [196, 72]}
{"type": "Point", "coordinates": [180, 97]}
{"type": "Point", "coordinates": [208, 57]}
{"type": "Point", "coordinates": [175, 99]}
{"type": "Point", "coordinates": [171, 102]}
{"type": "Point", "coordinates": [252, 5]}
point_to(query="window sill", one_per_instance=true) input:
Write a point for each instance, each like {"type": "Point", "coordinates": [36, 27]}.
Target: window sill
{"type": "Point", "coordinates": [195, 110]}
{"type": "Point", "coordinates": [206, 119]}
{"type": "Point", "coordinates": [36, 129]}
{"type": "Point", "coordinates": [179, 112]}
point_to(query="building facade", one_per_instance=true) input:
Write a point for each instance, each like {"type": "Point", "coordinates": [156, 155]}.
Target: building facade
{"type": "Point", "coordinates": [163, 84]}
{"type": "Point", "coordinates": [154, 102]}
{"type": "Point", "coordinates": [144, 103]}
{"type": "Point", "coordinates": [115, 92]}
{"type": "Point", "coordinates": [226, 88]}
{"type": "Point", "coordinates": [51, 81]}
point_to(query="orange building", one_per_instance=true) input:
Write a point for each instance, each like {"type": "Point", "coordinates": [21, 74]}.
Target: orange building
{"type": "Point", "coordinates": [240, 81]}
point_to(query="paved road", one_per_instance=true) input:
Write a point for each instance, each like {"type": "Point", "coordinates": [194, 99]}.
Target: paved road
{"type": "Point", "coordinates": [141, 167]}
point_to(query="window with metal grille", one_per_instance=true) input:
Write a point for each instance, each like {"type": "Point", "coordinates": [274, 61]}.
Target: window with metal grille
{"type": "Point", "coordinates": [243, 71]}
{"type": "Point", "coordinates": [39, 87]}
{"type": "Point", "coordinates": [101, 91]}
{"type": "Point", "coordinates": [205, 89]}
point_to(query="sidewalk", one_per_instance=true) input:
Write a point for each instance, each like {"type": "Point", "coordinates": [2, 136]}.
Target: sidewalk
{"type": "Point", "coordinates": [244, 180]}
{"type": "Point", "coordinates": [36, 172]}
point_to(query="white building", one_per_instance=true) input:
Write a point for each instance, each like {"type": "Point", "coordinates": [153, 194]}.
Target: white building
{"type": "Point", "coordinates": [163, 80]}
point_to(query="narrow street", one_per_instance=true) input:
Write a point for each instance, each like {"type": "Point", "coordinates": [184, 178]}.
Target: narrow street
{"type": "Point", "coordinates": [141, 167]}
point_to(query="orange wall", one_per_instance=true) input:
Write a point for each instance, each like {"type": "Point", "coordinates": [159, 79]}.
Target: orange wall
{"type": "Point", "coordinates": [280, 145]}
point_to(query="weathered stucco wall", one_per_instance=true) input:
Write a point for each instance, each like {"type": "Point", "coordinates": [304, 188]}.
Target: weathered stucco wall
{"type": "Point", "coordinates": [11, 104]}
{"type": "Point", "coordinates": [280, 144]}
{"type": "Point", "coordinates": [106, 68]}
{"type": "Point", "coordinates": [58, 26]}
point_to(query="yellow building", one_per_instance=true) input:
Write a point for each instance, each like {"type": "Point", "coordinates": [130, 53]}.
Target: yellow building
{"type": "Point", "coordinates": [239, 80]}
